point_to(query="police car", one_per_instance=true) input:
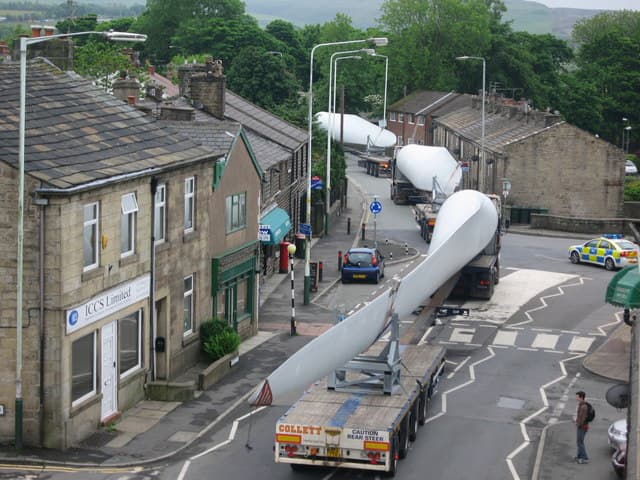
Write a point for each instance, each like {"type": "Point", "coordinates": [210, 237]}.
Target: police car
{"type": "Point", "coordinates": [611, 251]}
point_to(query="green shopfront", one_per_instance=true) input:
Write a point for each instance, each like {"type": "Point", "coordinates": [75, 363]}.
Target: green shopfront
{"type": "Point", "coordinates": [233, 288]}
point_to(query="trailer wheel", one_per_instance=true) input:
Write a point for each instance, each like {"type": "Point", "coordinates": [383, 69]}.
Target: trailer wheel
{"type": "Point", "coordinates": [413, 422]}
{"type": "Point", "coordinates": [403, 436]}
{"type": "Point", "coordinates": [423, 410]}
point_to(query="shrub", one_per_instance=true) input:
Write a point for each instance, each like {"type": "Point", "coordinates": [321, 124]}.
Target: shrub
{"type": "Point", "coordinates": [218, 339]}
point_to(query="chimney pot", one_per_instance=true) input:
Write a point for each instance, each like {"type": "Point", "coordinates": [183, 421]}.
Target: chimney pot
{"type": "Point", "coordinates": [131, 100]}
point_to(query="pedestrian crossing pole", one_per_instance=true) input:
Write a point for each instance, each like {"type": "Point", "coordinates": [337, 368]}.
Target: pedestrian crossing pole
{"type": "Point", "coordinates": [292, 250]}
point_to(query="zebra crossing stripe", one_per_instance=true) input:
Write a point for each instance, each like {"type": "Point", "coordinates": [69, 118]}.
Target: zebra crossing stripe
{"type": "Point", "coordinates": [507, 338]}
{"type": "Point", "coordinates": [545, 341]}
{"type": "Point", "coordinates": [580, 344]}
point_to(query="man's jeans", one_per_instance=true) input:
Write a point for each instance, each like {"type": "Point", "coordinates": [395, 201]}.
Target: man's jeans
{"type": "Point", "coordinates": [582, 452]}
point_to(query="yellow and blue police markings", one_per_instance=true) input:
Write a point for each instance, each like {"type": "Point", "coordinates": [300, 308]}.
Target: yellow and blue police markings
{"type": "Point", "coordinates": [611, 251]}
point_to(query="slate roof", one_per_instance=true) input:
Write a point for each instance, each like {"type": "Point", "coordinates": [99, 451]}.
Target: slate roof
{"type": "Point", "coordinates": [77, 134]}
{"type": "Point", "coordinates": [500, 130]}
{"type": "Point", "coordinates": [439, 103]}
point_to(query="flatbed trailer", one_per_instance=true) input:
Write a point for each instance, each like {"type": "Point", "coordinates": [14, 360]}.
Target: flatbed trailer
{"type": "Point", "coordinates": [376, 165]}
{"type": "Point", "coordinates": [366, 431]}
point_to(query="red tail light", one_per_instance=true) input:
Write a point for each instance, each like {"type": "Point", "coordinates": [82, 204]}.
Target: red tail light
{"type": "Point", "coordinates": [346, 258]}
{"type": "Point", "coordinates": [374, 260]}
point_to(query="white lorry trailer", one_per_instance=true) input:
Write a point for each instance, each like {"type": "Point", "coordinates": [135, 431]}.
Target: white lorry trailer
{"type": "Point", "coordinates": [347, 428]}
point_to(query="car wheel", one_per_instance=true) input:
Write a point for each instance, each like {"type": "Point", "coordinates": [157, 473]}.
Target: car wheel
{"type": "Point", "coordinates": [382, 273]}
{"type": "Point", "coordinates": [378, 276]}
{"type": "Point", "coordinates": [609, 264]}
{"type": "Point", "coordinates": [575, 258]}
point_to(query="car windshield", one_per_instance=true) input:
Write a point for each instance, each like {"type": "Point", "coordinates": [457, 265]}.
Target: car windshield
{"type": "Point", "coordinates": [625, 245]}
{"type": "Point", "coordinates": [362, 259]}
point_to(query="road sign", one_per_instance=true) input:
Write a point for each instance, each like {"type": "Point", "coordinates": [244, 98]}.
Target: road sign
{"type": "Point", "coordinates": [305, 229]}
{"type": "Point", "coordinates": [316, 183]}
{"type": "Point", "coordinates": [375, 207]}
{"type": "Point", "coordinates": [264, 233]}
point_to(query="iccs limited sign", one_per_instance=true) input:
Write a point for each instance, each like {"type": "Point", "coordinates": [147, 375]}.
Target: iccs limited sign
{"type": "Point", "coordinates": [107, 303]}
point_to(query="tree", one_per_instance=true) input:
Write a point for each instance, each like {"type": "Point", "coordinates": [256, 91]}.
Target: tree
{"type": "Point", "coordinates": [262, 77]}
{"type": "Point", "coordinates": [607, 75]}
{"type": "Point", "coordinates": [102, 60]}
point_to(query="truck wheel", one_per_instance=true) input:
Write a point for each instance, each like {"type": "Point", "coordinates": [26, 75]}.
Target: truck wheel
{"type": "Point", "coordinates": [413, 422]}
{"type": "Point", "coordinates": [403, 437]}
{"type": "Point", "coordinates": [423, 409]}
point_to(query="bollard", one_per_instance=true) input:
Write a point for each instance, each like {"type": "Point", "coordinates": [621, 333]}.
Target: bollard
{"type": "Point", "coordinates": [390, 255]}
{"type": "Point", "coordinates": [349, 226]}
{"type": "Point", "coordinates": [386, 241]}
{"type": "Point", "coordinates": [406, 248]}
{"type": "Point", "coordinates": [339, 260]}
{"type": "Point", "coordinates": [364, 228]}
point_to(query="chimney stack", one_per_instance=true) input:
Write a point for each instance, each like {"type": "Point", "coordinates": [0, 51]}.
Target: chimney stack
{"type": "Point", "coordinates": [124, 88]}
{"type": "Point", "coordinates": [208, 89]}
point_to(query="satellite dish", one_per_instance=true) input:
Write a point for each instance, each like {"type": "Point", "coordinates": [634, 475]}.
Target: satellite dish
{"type": "Point", "coordinates": [618, 395]}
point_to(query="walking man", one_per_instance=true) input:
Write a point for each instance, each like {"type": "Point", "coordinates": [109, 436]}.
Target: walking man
{"type": "Point", "coordinates": [582, 426]}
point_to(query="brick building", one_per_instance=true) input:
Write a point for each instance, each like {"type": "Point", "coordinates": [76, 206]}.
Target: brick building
{"type": "Point", "coordinates": [552, 165]}
{"type": "Point", "coordinates": [122, 214]}
{"type": "Point", "coordinates": [411, 118]}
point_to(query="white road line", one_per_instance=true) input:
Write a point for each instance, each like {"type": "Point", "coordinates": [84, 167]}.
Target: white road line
{"type": "Point", "coordinates": [464, 335]}
{"type": "Point", "coordinates": [460, 365]}
{"type": "Point", "coordinates": [505, 338]}
{"type": "Point", "coordinates": [545, 341]}
{"type": "Point", "coordinates": [544, 302]}
{"type": "Point", "coordinates": [423, 340]}
{"type": "Point", "coordinates": [472, 375]}
{"type": "Point", "coordinates": [542, 330]}
{"type": "Point", "coordinates": [572, 332]}
{"type": "Point", "coordinates": [617, 321]}
{"type": "Point", "coordinates": [580, 344]}
{"type": "Point", "coordinates": [527, 349]}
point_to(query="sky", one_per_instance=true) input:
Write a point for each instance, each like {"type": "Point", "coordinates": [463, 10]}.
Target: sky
{"type": "Point", "coordinates": [594, 4]}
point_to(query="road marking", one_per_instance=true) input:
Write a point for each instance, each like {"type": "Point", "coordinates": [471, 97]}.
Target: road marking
{"type": "Point", "coordinates": [544, 298]}
{"type": "Point", "coordinates": [464, 335]}
{"type": "Point", "coordinates": [580, 344]}
{"type": "Point", "coordinates": [545, 341]}
{"type": "Point", "coordinates": [505, 338]}
{"type": "Point", "coordinates": [455, 370]}
{"type": "Point", "coordinates": [423, 340]}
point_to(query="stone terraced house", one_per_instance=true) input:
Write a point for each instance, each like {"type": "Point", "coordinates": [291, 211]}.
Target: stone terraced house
{"type": "Point", "coordinates": [128, 225]}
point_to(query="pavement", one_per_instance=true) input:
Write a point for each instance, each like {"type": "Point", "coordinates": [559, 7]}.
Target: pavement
{"type": "Point", "coordinates": [155, 431]}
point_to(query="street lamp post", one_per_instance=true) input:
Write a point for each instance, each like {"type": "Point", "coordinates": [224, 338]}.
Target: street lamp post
{"type": "Point", "coordinates": [291, 248]}
{"type": "Point", "coordinates": [626, 145]}
{"type": "Point", "coordinates": [383, 122]}
{"type": "Point", "coordinates": [24, 43]}
{"type": "Point", "coordinates": [378, 41]}
{"type": "Point", "coordinates": [484, 75]}
{"type": "Point", "coordinates": [331, 111]}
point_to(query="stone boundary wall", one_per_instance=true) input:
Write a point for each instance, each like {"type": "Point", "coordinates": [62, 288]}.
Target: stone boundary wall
{"type": "Point", "coordinates": [581, 225]}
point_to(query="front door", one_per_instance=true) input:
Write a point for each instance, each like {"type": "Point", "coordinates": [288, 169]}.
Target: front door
{"type": "Point", "coordinates": [109, 373]}
{"type": "Point", "coordinates": [230, 310]}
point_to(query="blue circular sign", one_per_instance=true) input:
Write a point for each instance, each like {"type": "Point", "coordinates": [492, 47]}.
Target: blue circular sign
{"type": "Point", "coordinates": [375, 207]}
{"type": "Point", "coordinates": [73, 318]}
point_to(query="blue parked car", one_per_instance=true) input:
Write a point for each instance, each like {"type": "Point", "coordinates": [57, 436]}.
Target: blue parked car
{"type": "Point", "coordinates": [362, 264]}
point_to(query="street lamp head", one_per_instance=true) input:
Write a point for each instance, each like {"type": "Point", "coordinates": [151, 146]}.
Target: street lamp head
{"type": "Point", "coordinates": [627, 127]}
{"type": "Point", "coordinates": [368, 51]}
{"type": "Point", "coordinates": [464, 57]}
{"type": "Point", "coordinates": [379, 41]}
{"type": "Point", "coordinates": [291, 248]}
{"type": "Point", "coordinates": [125, 36]}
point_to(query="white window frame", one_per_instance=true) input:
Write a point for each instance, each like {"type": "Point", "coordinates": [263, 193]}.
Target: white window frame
{"type": "Point", "coordinates": [399, 140]}
{"type": "Point", "coordinates": [401, 117]}
{"type": "Point", "coordinates": [236, 212]}
{"type": "Point", "coordinates": [420, 119]}
{"type": "Point", "coordinates": [410, 118]}
{"type": "Point", "coordinates": [138, 364]}
{"type": "Point", "coordinates": [94, 391]}
{"type": "Point", "coordinates": [188, 293]}
{"type": "Point", "coordinates": [160, 221]}
{"type": "Point", "coordinates": [392, 116]}
{"type": "Point", "coordinates": [189, 204]}
{"type": "Point", "coordinates": [128, 210]}
{"type": "Point", "coordinates": [94, 225]}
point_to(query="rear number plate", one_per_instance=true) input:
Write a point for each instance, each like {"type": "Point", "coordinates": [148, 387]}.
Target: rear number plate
{"type": "Point", "coordinates": [359, 275]}
{"type": "Point", "coordinates": [333, 451]}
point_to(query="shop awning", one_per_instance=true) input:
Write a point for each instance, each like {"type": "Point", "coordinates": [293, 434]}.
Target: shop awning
{"type": "Point", "coordinates": [274, 226]}
{"type": "Point", "coordinates": [624, 288]}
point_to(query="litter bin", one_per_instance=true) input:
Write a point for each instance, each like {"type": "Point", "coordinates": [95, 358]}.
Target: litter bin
{"type": "Point", "coordinates": [284, 257]}
{"type": "Point", "coordinates": [300, 245]}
